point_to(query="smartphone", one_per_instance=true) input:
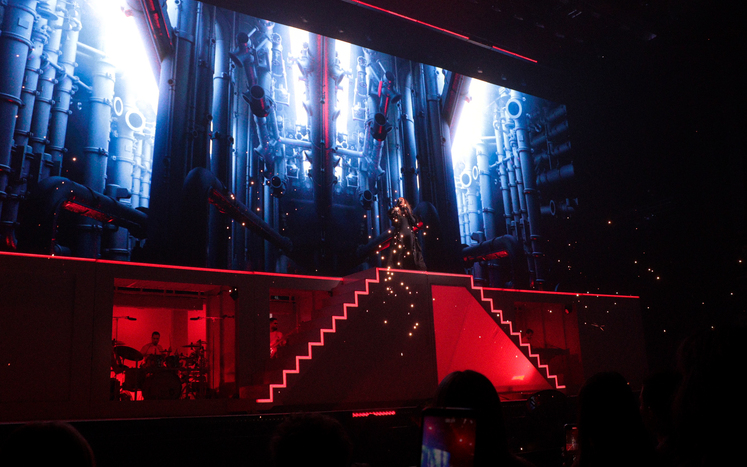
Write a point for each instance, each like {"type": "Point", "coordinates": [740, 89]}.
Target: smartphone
{"type": "Point", "coordinates": [570, 452]}
{"type": "Point", "coordinates": [448, 438]}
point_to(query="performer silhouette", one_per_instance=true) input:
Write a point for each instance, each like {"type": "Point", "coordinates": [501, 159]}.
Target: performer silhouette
{"type": "Point", "coordinates": [405, 247]}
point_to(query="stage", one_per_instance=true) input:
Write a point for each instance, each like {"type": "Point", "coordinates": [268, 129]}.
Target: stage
{"type": "Point", "coordinates": [374, 340]}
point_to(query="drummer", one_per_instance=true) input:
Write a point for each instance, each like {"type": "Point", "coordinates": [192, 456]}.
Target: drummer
{"type": "Point", "coordinates": [152, 348]}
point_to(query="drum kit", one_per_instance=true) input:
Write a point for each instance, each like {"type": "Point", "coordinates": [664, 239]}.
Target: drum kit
{"type": "Point", "coordinates": [162, 375]}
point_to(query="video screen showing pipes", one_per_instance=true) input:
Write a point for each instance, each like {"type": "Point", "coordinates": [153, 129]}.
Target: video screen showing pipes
{"type": "Point", "coordinates": [183, 133]}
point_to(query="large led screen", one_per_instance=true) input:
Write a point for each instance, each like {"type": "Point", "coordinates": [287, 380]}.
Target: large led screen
{"type": "Point", "coordinates": [184, 133]}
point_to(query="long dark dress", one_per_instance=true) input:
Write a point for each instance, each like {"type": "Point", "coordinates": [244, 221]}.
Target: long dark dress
{"type": "Point", "coordinates": [405, 252]}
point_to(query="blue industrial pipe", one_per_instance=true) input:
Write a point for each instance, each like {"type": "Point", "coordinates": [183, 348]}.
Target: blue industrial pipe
{"type": "Point", "coordinates": [54, 194]}
{"type": "Point", "coordinates": [171, 152]}
{"type": "Point", "coordinates": [51, 163]}
{"type": "Point", "coordinates": [15, 45]}
{"type": "Point", "coordinates": [202, 187]}
{"type": "Point", "coordinates": [23, 157]}
{"type": "Point", "coordinates": [45, 93]}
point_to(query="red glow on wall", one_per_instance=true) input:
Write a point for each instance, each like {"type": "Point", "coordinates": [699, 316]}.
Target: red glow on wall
{"type": "Point", "coordinates": [467, 338]}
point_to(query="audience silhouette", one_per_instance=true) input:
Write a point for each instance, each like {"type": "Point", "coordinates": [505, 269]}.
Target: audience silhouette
{"type": "Point", "coordinates": [310, 440]}
{"type": "Point", "coordinates": [472, 390]}
{"type": "Point", "coordinates": [709, 410]}
{"type": "Point", "coordinates": [42, 444]}
{"type": "Point", "coordinates": [610, 428]}
{"type": "Point", "coordinates": [656, 399]}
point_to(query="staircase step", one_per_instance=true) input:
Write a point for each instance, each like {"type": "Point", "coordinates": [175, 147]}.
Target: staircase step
{"type": "Point", "coordinates": [360, 275]}
{"type": "Point", "coordinates": [347, 296]}
{"type": "Point", "coordinates": [350, 287]}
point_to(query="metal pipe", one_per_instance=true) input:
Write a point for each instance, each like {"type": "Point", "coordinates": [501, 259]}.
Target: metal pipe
{"type": "Point", "coordinates": [409, 148]}
{"type": "Point", "coordinates": [44, 100]}
{"type": "Point", "coordinates": [531, 195]}
{"type": "Point", "coordinates": [15, 45]}
{"type": "Point", "coordinates": [120, 171]}
{"type": "Point", "coordinates": [380, 128]}
{"type": "Point", "coordinates": [442, 191]}
{"type": "Point", "coordinates": [552, 151]}
{"type": "Point", "coordinates": [202, 118]}
{"type": "Point", "coordinates": [96, 151]}
{"type": "Point", "coordinates": [221, 150]}
{"type": "Point", "coordinates": [94, 52]}
{"type": "Point", "coordinates": [51, 164]}
{"type": "Point", "coordinates": [241, 175]}
{"type": "Point", "coordinates": [343, 151]}
{"type": "Point", "coordinates": [137, 168]}
{"type": "Point", "coordinates": [263, 107]}
{"type": "Point", "coordinates": [486, 191]}
{"type": "Point", "coordinates": [220, 156]}
{"type": "Point", "coordinates": [147, 169]}
{"type": "Point", "coordinates": [171, 152]}
{"type": "Point", "coordinates": [561, 174]}
{"type": "Point", "coordinates": [280, 78]}
{"type": "Point", "coordinates": [22, 158]}
{"type": "Point", "coordinates": [502, 174]}
{"type": "Point", "coordinates": [379, 244]}
{"type": "Point", "coordinates": [200, 187]}
{"type": "Point", "coordinates": [513, 188]}
{"type": "Point", "coordinates": [461, 215]}
{"type": "Point", "coordinates": [455, 96]}
{"type": "Point", "coordinates": [322, 136]}
{"type": "Point", "coordinates": [506, 246]}
{"type": "Point", "coordinates": [557, 113]}
{"type": "Point", "coordinates": [39, 231]}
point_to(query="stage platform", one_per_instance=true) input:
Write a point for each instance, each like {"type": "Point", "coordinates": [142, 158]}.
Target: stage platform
{"type": "Point", "coordinates": [377, 339]}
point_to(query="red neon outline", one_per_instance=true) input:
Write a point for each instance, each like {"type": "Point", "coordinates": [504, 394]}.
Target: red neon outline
{"type": "Point", "coordinates": [366, 291]}
{"type": "Point", "coordinates": [517, 334]}
{"type": "Point", "coordinates": [320, 343]}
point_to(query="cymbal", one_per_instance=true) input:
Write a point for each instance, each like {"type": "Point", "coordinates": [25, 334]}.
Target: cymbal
{"type": "Point", "coordinates": [116, 342]}
{"type": "Point", "coordinates": [195, 345]}
{"type": "Point", "coordinates": [128, 353]}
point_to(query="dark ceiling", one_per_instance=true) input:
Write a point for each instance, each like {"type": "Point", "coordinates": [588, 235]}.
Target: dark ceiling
{"type": "Point", "coordinates": [573, 42]}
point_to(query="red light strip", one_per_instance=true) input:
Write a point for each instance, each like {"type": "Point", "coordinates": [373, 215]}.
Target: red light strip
{"type": "Point", "coordinates": [576, 294]}
{"type": "Point", "coordinates": [170, 266]}
{"type": "Point", "coordinates": [276, 274]}
{"type": "Point", "coordinates": [514, 54]}
{"type": "Point", "coordinates": [320, 343]}
{"type": "Point", "coordinates": [399, 15]}
{"type": "Point", "coordinates": [385, 413]}
{"type": "Point", "coordinates": [452, 33]}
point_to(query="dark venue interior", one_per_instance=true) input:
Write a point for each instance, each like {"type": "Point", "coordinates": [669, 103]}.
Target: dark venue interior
{"type": "Point", "coordinates": [384, 194]}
